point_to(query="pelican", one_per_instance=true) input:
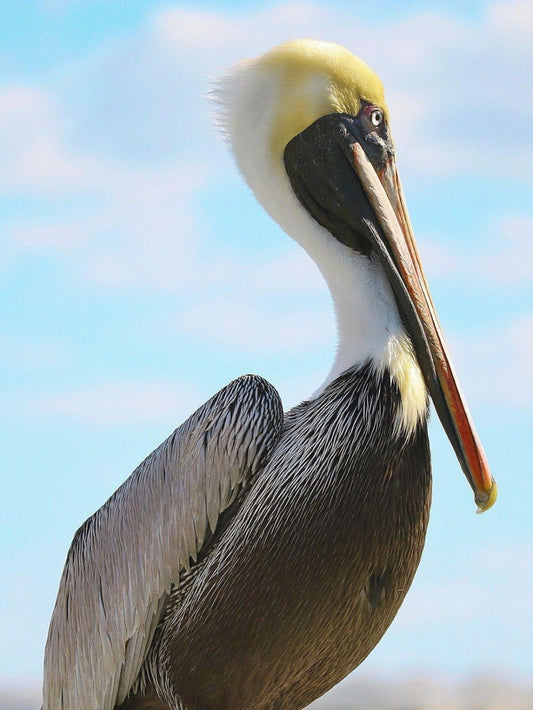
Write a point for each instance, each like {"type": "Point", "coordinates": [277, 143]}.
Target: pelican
{"type": "Point", "coordinates": [255, 558]}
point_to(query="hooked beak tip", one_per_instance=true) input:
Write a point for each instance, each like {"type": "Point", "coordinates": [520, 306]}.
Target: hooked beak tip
{"type": "Point", "coordinates": [486, 499]}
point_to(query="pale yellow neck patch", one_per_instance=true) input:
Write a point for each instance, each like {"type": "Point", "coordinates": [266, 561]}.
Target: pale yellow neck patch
{"type": "Point", "coordinates": [315, 79]}
{"type": "Point", "coordinates": [400, 360]}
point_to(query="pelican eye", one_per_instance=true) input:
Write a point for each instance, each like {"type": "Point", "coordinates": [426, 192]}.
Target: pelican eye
{"type": "Point", "coordinates": [376, 117]}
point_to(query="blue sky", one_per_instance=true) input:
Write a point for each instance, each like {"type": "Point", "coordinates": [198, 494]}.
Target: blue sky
{"type": "Point", "coordinates": [138, 276]}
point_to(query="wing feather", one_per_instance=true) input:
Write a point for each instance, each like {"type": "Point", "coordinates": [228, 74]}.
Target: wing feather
{"type": "Point", "coordinates": [125, 558]}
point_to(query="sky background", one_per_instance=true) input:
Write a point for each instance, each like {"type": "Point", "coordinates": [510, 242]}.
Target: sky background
{"type": "Point", "coordinates": [138, 276]}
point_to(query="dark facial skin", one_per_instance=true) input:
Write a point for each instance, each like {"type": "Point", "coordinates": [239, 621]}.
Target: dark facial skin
{"type": "Point", "coordinates": [319, 163]}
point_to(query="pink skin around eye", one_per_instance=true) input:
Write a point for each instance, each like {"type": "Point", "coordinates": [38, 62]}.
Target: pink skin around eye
{"type": "Point", "coordinates": [369, 109]}
{"type": "Point", "coordinates": [367, 112]}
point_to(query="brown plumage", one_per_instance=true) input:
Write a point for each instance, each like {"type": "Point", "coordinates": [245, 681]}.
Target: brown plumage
{"type": "Point", "coordinates": [313, 566]}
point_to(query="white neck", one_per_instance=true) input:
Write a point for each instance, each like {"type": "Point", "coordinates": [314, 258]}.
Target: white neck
{"type": "Point", "coordinates": [368, 323]}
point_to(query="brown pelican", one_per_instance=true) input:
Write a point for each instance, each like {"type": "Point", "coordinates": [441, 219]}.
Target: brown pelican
{"type": "Point", "coordinates": [255, 558]}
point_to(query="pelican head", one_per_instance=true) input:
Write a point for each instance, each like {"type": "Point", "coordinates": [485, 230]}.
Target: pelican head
{"type": "Point", "coordinates": [309, 129]}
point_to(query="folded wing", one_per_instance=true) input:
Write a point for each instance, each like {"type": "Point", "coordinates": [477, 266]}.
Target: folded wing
{"type": "Point", "coordinates": [124, 559]}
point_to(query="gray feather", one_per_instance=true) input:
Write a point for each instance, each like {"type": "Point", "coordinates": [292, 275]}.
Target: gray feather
{"type": "Point", "coordinates": [125, 558]}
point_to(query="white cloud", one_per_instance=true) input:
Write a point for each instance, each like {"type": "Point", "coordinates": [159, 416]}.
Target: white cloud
{"type": "Point", "coordinates": [484, 594]}
{"type": "Point", "coordinates": [119, 403]}
{"type": "Point", "coordinates": [129, 131]}
{"type": "Point", "coordinates": [34, 157]}
{"type": "Point", "coordinates": [139, 227]}
{"type": "Point", "coordinates": [446, 79]}
{"type": "Point", "coordinates": [509, 260]}
{"type": "Point", "coordinates": [238, 323]}
{"type": "Point", "coordinates": [22, 698]}
{"type": "Point", "coordinates": [142, 233]}
{"type": "Point", "coordinates": [278, 304]}
{"type": "Point", "coordinates": [197, 30]}
{"type": "Point", "coordinates": [497, 364]}
{"type": "Point", "coordinates": [233, 36]}
{"type": "Point", "coordinates": [430, 690]}
{"type": "Point", "coordinates": [21, 355]}
{"type": "Point", "coordinates": [146, 233]}
{"type": "Point", "coordinates": [285, 274]}
{"type": "Point", "coordinates": [47, 237]}
{"type": "Point", "coordinates": [292, 271]}
{"type": "Point", "coordinates": [503, 259]}
{"type": "Point", "coordinates": [142, 229]}
{"type": "Point", "coordinates": [511, 19]}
